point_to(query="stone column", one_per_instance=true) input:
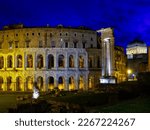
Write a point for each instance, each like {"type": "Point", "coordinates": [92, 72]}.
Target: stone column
{"type": "Point", "coordinates": [66, 83]}
{"type": "Point", "coordinates": [55, 82]}
{"type": "Point", "coordinates": [77, 82]}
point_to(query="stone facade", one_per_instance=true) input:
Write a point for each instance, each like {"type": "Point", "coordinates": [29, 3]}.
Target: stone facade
{"type": "Point", "coordinates": [63, 58]}
{"type": "Point", "coordinates": [120, 64]}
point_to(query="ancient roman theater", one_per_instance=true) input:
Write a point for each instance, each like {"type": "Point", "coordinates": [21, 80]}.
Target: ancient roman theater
{"type": "Point", "coordinates": [62, 57]}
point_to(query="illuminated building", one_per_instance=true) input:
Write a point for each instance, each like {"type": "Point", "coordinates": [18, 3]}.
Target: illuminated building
{"type": "Point", "coordinates": [63, 58]}
{"type": "Point", "coordinates": [120, 64]}
{"type": "Point", "coordinates": [136, 58]}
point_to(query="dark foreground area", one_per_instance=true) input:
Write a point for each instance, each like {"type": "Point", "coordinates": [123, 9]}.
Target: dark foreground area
{"type": "Point", "coordinates": [125, 97]}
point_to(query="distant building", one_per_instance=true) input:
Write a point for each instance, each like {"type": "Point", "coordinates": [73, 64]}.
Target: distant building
{"type": "Point", "coordinates": [120, 64]}
{"type": "Point", "coordinates": [63, 58]}
{"type": "Point", "coordinates": [137, 58]}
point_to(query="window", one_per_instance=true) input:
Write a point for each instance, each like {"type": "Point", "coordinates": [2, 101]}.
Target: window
{"type": "Point", "coordinates": [66, 34]}
{"type": "Point", "coordinates": [81, 62]}
{"type": "Point", "coordinates": [66, 44]}
{"type": "Point", "coordinates": [16, 44]}
{"type": "Point", "coordinates": [71, 61]}
{"type": "Point", "coordinates": [27, 34]}
{"type": "Point", "coordinates": [19, 61]}
{"type": "Point", "coordinates": [75, 34]}
{"type": "Point", "coordinates": [51, 35]}
{"type": "Point", "coordinates": [82, 35]}
{"type": "Point", "coordinates": [40, 61]}
{"type": "Point", "coordinates": [50, 61]}
{"type": "Point", "coordinates": [32, 34]}
{"type": "Point", "coordinates": [83, 44]}
{"type": "Point", "coordinates": [29, 61]}
{"type": "Point", "coordinates": [53, 44]}
{"type": "Point", "coordinates": [61, 61]}
{"type": "Point", "coordinates": [16, 34]}
{"type": "Point", "coordinates": [39, 34]}
{"type": "Point", "coordinates": [60, 34]}
{"type": "Point", "coordinates": [27, 44]}
{"type": "Point", "coordinates": [91, 45]}
{"type": "Point", "coordinates": [75, 43]}
{"type": "Point", "coordinates": [9, 61]}
{"type": "Point", "coordinates": [91, 39]}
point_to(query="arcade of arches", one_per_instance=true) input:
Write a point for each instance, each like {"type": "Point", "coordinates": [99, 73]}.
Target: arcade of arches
{"type": "Point", "coordinates": [67, 70]}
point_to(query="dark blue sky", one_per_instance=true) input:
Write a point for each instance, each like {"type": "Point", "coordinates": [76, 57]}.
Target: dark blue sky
{"type": "Point", "coordinates": [129, 18]}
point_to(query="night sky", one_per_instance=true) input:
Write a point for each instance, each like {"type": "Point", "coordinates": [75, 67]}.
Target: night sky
{"type": "Point", "coordinates": [129, 18]}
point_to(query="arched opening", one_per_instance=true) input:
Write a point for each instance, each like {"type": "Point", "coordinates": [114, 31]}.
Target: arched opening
{"type": "Point", "coordinates": [71, 61]}
{"type": "Point", "coordinates": [19, 61]}
{"type": "Point", "coordinates": [81, 82]}
{"type": "Point", "coordinates": [50, 61]}
{"type": "Point", "coordinates": [1, 62]}
{"type": "Point", "coordinates": [91, 82]}
{"type": "Point", "coordinates": [29, 61]}
{"type": "Point", "coordinates": [9, 83]}
{"type": "Point", "coordinates": [40, 83]}
{"type": "Point", "coordinates": [19, 84]}
{"type": "Point", "coordinates": [1, 84]}
{"type": "Point", "coordinates": [61, 61]}
{"type": "Point", "coordinates": [50, 83]}
{"type": "Point", "coordinates": [9, 61]}
{"type": "Point", "coordinates": [71, 83]}
{"type": "Point", "coordinates": [81, 62]}
{"type": "Point", "coordinates": [61, 83]}
{"type": "Point", "coordinates": [29, 83]}
{"type": "Point", "coordinates": [39, 61]}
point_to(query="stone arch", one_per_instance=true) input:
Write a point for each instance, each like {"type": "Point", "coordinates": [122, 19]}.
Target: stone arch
{"type": "Point", "coordinates": [61, 83]}
{"type": "Point", "coordinates": [81, 82]}
{"type": "Point", "coordinates": [40, 61]}
{"type": "Point", "coordinates": [61, 61]}
{"type": "Point", "coordinates": [29, 83]}
{"type": "Point", "coordinates": [91, 81]}
{"type": "Point", "coordinates": [81, 61]}
{"type": "Point", "coordinates": [40, 83]}
{"type": "Point", "coordinates": [9, 83]}
{"type": "Point", "coordinates": [19, 61]}
{"type": "Point", "coordinates": [71, 83]}
{"type": "Point", "coordinates": [50, 61]}
{"type": "Point", "coordinates": [19, 83]}
{"type": "Point", "coordinates": [1, 62]}
{"type": "Point", "coordinates": [71, 61]}
{"type": "Point", "coordinates": [1, 83]}
{"type": "Point", "coordinates": [29, 61]}
{"type": "Point", "coordinates": [50, 82]}
{"type": "Point", "coordinates": [9, 61]}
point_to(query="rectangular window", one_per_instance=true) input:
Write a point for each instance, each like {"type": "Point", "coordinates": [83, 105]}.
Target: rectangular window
{"type": "Point", "coordinates": [16, 44]}
{"type": "Point", "coordinates": [53, 44]}
{"type": "Point", "coordinates": [66, 45]}
{"type": "Point", "coordinates": [75, 45]}
{"type": "Point", "coordinates": [83, 45]}
{"type": "Point", "coordinates": [27, 44]}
